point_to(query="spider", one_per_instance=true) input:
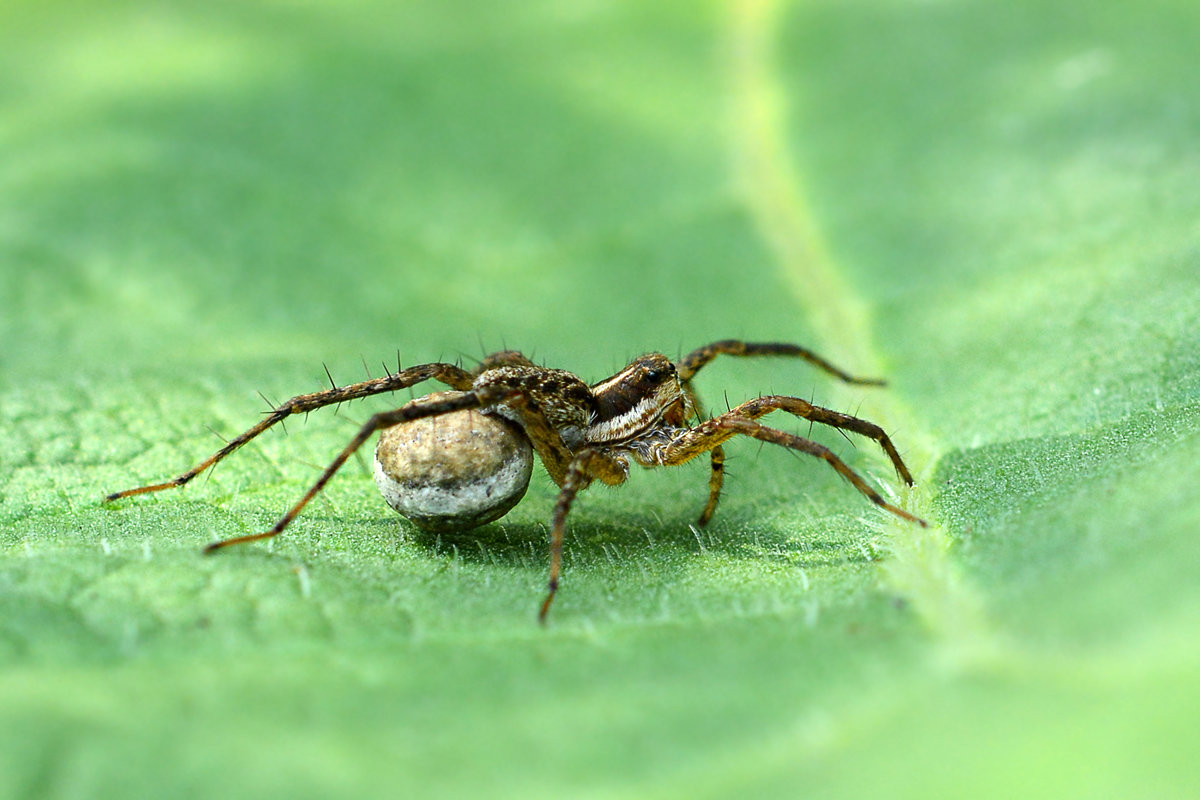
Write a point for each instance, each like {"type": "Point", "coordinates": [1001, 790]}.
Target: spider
{"type": "Point", "coordinates": [647, 413]}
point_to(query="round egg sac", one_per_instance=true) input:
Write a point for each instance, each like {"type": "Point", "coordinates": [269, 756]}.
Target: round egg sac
{"type": "Point", "coordinates": [455, 471]}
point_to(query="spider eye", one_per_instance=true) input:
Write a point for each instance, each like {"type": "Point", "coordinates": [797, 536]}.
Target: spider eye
{"type": "Point", "coordinates": [654, 373]}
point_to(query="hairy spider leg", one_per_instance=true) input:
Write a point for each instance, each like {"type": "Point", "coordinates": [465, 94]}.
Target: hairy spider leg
{"type": "Point", "coordinates": [690, 364]}
{"type": "Point", "coordinates": [715, 481]}
{"type": "Point", "coordinates": [448, 374]}
{"type": "Point", "coordinates": [762, 406]}
{"type": "Point", "coordinates": [586, 466]}
{"type": "Point", "coordinates": [546, 440]}
{"type": "Point", "coordinates": [689, 443]}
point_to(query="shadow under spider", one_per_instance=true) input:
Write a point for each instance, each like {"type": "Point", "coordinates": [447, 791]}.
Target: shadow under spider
{"type": "Point", "coordinates": [639, 536]}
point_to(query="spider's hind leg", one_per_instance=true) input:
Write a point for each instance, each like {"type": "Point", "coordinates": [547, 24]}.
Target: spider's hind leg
{"type": "Point", "coordinates": [448, 374]}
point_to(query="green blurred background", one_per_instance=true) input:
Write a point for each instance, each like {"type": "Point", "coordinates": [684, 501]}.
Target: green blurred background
{"type": "Point", "coordinates": [993, 205]}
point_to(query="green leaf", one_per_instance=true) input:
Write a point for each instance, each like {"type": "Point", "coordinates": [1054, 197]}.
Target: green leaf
{"type": "Point", "coordinates": [991, 205]}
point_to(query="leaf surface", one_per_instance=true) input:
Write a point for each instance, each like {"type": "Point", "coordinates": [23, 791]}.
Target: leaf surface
{"type": "Point", "coordinates": [991, 205]}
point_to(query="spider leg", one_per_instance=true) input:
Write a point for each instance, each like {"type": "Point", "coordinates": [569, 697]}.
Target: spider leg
{"type": "Point", "coordinates": [715, 481]}
{"type": "Point", "coordinates": [547, 441]}
{"type": "Point", "coordinates": [416, 409]}
{"type": "Point", "coordinates": [802, 408]}
{"type": "Point", "coordinates": [448, 374]}
{"type": "Point", "coordinates": [690, 364]}
{"type": "Point", "coordinates": [693, 361]}
{"type": "Point", "coordinates": [585, 467]}
{"type": "Point", "coordinates": [692, 442]}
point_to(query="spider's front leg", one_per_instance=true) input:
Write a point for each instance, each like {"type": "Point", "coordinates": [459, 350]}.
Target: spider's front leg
{"type": "Point", "coordinates": [708, 436]}
{"type": "Point", "coordinates": [762, 406]}
{"type": "Point", "coordinates": [694, 361]}
{"type": "Point", "coordinates": [586, 466]}
{"type": "Point", "coordinates": [690, 364]}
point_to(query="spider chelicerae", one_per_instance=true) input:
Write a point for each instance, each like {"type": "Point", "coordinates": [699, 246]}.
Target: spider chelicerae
{"type": "Point", "coordinates": [647, 413]}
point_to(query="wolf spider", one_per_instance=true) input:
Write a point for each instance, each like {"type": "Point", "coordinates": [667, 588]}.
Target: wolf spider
{"type": "Point", "coordinates": [586, 433]}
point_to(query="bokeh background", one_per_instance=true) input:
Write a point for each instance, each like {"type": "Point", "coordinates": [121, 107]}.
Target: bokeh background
{"type": "Point", "coordinates": [992, 205]}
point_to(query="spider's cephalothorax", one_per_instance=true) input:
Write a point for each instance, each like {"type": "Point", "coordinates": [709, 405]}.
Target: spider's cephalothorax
{"type": "Point", "coordinates": [586, 433]}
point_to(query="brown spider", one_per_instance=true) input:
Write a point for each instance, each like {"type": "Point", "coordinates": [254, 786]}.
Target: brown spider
{"type": "Point", "coordinates": [585, 433]}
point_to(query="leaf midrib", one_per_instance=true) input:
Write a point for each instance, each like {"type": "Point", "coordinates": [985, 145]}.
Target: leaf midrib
{"type": "Point", "coordinates": [919, 565]}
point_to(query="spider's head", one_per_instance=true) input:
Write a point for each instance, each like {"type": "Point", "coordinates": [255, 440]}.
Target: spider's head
{"type": "Point", "coordinates": [644, 394]}
{"type": "Point", "coordinates": [657, 378]}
